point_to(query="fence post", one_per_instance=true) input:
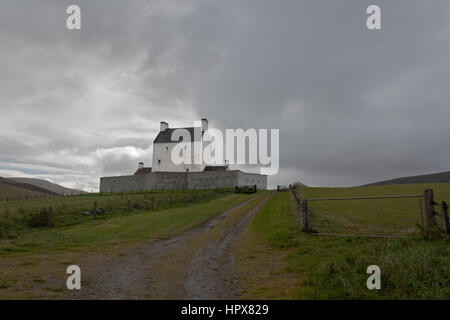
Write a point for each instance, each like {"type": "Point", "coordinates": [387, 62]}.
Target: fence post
{"type": "Point", "coordinates": [95, 210]}
{"type": "Point", "coordinates": [152, 203]}
{"type": "Point", "coordinates": [304, 215]}
{"type": "Point", "coordinates": [429, 207]}
{"type": "Point", "coordinates": [50, 217]}
{"type": "Point", "coordinates": [445, 217]}
{"type": "Point", "coordinates": [129, 205]}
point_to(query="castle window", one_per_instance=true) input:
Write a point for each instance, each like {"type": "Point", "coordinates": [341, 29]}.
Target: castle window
{"type": "Point", "coordinates": [187, 169]}
{"type": "Point", "coordinates": [159, 161]}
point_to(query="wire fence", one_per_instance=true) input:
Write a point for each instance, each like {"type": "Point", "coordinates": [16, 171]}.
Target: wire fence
{"type": "Point", "coordinates": [368, 216]}
{"type": "Point", "coordinates": [377, 216]}
{"type": "Point", "coordinates": [64, 211]}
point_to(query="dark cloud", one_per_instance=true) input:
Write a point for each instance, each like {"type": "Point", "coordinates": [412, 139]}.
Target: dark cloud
{"type": "Point", "coordinates": [352, 105]}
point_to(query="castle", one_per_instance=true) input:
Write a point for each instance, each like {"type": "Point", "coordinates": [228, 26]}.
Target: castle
{"type": "Point", "coordinates": [165, 174]}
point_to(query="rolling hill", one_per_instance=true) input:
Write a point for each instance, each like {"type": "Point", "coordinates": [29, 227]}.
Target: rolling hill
{"type": "Point", "coordinates": [44, 184]}
{"type": "Point", "coordinates": [441, 177]}
{"type": "Point", "coordinates": [13, 190]}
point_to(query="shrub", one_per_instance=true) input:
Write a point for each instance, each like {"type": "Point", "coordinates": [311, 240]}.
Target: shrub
{"type": "Point", "coordinates": [38, 220]}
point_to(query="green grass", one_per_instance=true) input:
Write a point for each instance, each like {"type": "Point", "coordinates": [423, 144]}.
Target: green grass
{"type": "Point", "coordinates": [369, 216]}
{"type": "Point", "coordinates": [123, 228]}
{"type": "Point", "coordinates": [335, 267]}
{"type": "Point", "coordinates": [15, 192]}
{"type": "Point", "coordinates": [18, 217]}
{"type": "Point", "coordinates": [441, 190]}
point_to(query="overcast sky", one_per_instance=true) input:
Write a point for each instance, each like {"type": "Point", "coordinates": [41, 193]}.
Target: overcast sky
{"type": "Point", "coordinates": [353, 106]}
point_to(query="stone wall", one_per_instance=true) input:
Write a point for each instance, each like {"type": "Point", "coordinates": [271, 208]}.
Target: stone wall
{"type": "Point", "coordinates": [167, 180]}
{"type": "Point", "coordinates": [249, 179]}
{"type": "Point", "coordinates": [182, 180]}
{"type": "Point", "coordinates": [124, 183]}
{"type": "Point", "coordinates": [212, 179]}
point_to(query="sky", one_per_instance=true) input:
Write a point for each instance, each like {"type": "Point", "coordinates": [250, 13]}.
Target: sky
{"type": "Point", "coordinates": [353, 105]}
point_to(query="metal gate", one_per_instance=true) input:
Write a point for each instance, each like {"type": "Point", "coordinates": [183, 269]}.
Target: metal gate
{"type": "Point", "coordinates": [378, 216]}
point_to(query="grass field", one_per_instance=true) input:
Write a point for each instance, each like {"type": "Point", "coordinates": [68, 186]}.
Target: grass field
{"type": "Point", "coordinates": [74, 230]}
{"type": "Point", "coordinates": [274, 259]}
{"type": "Point", "coordinates": [16, 192]}
{"type": "Point", "coordinates": [17, 217]}
{"type": "Point", "coordinates": [371, 216]}
{"type": "Point", "coordinates": [302, 266]}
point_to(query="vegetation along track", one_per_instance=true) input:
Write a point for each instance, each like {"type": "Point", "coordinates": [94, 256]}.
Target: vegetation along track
{"type": "Point", "coordinates": [197, 264]}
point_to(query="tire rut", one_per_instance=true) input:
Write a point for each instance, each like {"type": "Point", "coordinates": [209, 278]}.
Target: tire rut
{"type": "Point", "coordinates": [211, 270]}
{"type": "Point", "coordinates": [151, 270]}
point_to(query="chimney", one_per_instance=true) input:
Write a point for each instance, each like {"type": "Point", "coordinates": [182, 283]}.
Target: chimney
{"type": "Point", "coordinates": [204, 124]}
{"type": "Point", "coordinates": [163, 126]}
{"type": "Point", "coordinates": [141, 165]}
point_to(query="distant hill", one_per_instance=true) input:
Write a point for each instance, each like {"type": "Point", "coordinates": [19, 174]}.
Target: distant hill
{"type": "Point", "coordinates": [440, 177]}
{"type": "Point", "coordinates": [46, 185]}
{"type": "Point", "coordinates": [13, 190]}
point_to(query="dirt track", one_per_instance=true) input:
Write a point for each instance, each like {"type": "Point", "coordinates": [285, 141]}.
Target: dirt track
{"type": "Point", "coordinates": [197, 264]}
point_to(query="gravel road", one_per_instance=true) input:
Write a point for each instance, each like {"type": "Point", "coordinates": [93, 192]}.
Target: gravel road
{"type": "Point", "coordinates": [197, 264]}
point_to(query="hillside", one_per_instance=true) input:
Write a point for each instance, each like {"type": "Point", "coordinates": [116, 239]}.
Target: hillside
{"type": "Point", "coordinates": [441, 177]}
{"type": "Point", "coordinates": [13, 190]}
{"type": "Point", "coordinates": [44, 184]}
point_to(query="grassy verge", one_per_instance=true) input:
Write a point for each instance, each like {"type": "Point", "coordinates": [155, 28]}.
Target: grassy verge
{"type": "Point", "coordinates": [17, 217]}
{"type": "Point", "coordinates": [301, 266]}
{"type": "Point", "coordinates": [119, 229]}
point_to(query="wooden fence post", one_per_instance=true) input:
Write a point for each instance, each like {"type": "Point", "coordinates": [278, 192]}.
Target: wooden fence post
{"type": "Point", "coordinates": [95, 210]}
{"type": "Point", "coordinates": [50, 217]}
{"type": "Point", "coordinates": [129, 205]}
{"type": "Point", "coordinates": [444, 212]}
{"type": "Point", "coordinates": [429, 208]}
{"type": "Point", "coordinates": [303, 204]}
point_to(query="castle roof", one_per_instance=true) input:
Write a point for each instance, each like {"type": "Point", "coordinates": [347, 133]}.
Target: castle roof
{"type": "Point", "coordinates": [143, 170]}
{"type": "Point", "coordinates": [166, 135]}
{"type": "Point", "coordinates": [216, 168]}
